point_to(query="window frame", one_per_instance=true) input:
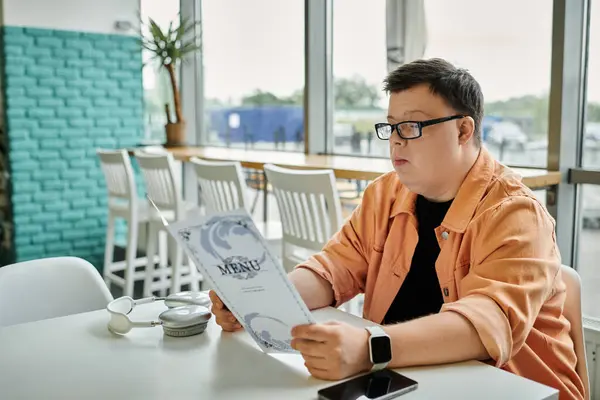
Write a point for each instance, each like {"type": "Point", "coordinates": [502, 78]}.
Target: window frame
{"type": "Point", "coordinates": [567, 103]}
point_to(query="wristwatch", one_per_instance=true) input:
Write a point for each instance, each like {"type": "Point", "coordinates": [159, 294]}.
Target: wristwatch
{"type": "Point", "coordinates": [380, 347]}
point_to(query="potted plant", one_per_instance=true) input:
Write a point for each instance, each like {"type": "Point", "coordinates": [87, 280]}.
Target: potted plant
{"type": "Point", "coordinates": [171, 47]}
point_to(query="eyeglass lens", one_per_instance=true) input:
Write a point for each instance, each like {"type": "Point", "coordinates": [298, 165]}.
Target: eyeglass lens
{"type": "Point", "coordinates": [407, 130]}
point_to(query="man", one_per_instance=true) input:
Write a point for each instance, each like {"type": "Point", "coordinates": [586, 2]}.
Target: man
{"type": "Point", "coordinates": [456, 257]}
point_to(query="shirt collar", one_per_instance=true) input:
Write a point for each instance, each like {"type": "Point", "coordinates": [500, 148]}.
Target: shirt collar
{"type": "Point", "coordinates": [465, 202]}
{"type": "Point", "coordinates": [405, 202]}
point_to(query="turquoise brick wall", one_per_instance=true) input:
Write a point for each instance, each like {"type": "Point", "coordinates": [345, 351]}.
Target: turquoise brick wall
{"type": "Point", "coordinates": [67, 93]}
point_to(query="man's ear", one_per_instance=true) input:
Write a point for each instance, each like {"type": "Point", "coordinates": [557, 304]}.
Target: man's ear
{"type": "Point", "coordinates": [466, 130]}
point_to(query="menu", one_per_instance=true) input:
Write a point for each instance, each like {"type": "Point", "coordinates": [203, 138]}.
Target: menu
{"type": "Point", "coordinates": [235, 259]}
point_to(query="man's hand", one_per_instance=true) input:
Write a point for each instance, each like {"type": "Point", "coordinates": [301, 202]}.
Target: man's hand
{"type": "Point", "coordinates": [223, 316]}
{"type": "Point", "coordinates": [333, 350]}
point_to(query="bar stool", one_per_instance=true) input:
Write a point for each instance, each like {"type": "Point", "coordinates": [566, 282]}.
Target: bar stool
{"type": "Point", "coordinates": [164, 188]}
{"type": "Point", "coordinates": [123, 203]}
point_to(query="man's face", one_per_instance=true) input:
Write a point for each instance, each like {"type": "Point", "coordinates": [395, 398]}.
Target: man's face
{"type": "Point", "coordinates": [424, 163]}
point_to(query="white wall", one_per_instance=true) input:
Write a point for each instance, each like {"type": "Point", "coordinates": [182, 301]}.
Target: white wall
{"type": "Point", "coordinates": [98, 16]}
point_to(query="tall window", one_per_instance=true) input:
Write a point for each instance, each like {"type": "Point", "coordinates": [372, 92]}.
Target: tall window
{"type": "Point", "coordinates": [359, 66]}
{"type": "Point", "coordinates": [157, 89]}
{"type": "Point", "coordinates": [589, 194]}
{"type": "Point", "coordinates": [253, 68]}
{"type": "Point", "coordinates": [591, 140]}
{"type": "Point", "coordinates": [588, 253]}
{"type": "Point", "coordinates": [508, 52]}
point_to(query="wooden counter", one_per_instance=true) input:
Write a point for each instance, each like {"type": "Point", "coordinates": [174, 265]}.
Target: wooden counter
{"type": "Point", "coordinates": [344, 167]}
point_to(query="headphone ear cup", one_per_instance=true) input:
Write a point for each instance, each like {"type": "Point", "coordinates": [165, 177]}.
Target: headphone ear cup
{"type": "Point", "coordinates": [119, 324]}
{"type": "Point", "coordinates": [187, 299]}
{"type": "Point", "coordinates": [185, 320]}
{"type": "Point", "coordinates": [185, 331]}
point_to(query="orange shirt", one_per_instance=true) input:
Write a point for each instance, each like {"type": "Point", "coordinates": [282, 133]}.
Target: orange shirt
{"type": "Point", "coordinates": [498, 266]}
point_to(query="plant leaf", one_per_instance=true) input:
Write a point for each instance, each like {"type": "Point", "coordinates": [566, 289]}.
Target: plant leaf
{"type": "Point", "coordinates": [156, 32]}
{"type": "Point", "coordinates": [172, 45]}
{"type": "Point", "coordinates": [186, 28]}
{"type": "Point", "coordinates": [189, 48]}
{"type": "Point", "coordinates": [181, 29]}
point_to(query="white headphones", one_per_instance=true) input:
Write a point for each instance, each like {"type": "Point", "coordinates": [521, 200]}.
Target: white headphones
{"type": "Point", "coordinates": [188, 314]}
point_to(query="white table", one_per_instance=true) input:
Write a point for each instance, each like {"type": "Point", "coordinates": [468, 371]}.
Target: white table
{"type": "Point", "coordinates": [76, 357]}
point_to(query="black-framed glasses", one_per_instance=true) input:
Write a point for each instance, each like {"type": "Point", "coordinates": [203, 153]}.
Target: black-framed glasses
{"type": "Point", "coordinates": [409, 129]}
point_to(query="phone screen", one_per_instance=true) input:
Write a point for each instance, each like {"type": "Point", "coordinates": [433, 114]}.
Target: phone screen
{"type": "Point", "coordinates": [375, 385]}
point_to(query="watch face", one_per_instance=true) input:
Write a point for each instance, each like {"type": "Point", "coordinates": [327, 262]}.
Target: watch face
{"type": "Point", "coordinates": [381, 349]}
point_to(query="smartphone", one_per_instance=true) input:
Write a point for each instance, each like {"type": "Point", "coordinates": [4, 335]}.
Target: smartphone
{"type": "Point", "coordinates": [380, 385]}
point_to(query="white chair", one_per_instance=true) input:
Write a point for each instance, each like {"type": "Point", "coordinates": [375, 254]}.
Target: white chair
{"type": "Point", "coordinates": [50, 288]}
{"type": "Point", "coordinates": [310, 209]}
{"type": "Point", "coordinates": [164, 188]}
{"type": "Point", "coordinates": [123, 203]}
{"type": "Point", "coordinates": [221, 184]}
{"type": "Point", "coordinates": [572, 312]}
{"type": "Point", "coordinates": [223, 188]}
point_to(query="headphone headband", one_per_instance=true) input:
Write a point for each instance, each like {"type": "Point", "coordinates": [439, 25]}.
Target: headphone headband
{"type": "Point", "coordinates": [183, 318]}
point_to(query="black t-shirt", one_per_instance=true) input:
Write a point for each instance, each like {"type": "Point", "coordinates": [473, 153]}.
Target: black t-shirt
{"type": "Point", "coordinates": [420, 293]}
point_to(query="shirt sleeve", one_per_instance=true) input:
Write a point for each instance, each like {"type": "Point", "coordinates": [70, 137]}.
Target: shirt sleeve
{"type": "Point", "coordinates": [514, 264]}
{"type": "Point", "coordinates": [343, 261]}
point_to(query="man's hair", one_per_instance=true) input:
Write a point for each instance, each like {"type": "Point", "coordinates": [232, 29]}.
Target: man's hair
{"type": "Point", "coordinates": [455, 85]}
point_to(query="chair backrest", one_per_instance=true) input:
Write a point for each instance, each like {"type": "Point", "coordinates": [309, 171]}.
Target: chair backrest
{"type": "Point", "coordinates": [162, 184]}
{"type": "Point", "coordinates": [118, 174]}
{"type": "Point", "coordinates": [309, 206]}
{"type": "Point", "coordinates": [50, 288]}
{"type": "Point", "coordinates": [222, 184]}
{"type": "Point", "coordinates": [572, 312]}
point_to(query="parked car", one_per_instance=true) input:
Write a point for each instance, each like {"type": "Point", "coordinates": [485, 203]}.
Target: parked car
{"type": "Point", "coordinates": [592, 131]}
{"type": "Point", "coordinates": [507, 133]}
{"type": "Point", "coordinates": [342, 133]}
